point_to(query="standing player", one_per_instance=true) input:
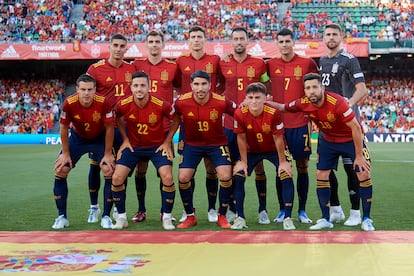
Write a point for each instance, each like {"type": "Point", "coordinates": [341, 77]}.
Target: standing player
{"type": "Point", "coordinates": [113, 78]}
{"type": "Point", "coordinates": [342, 74]}
{"type": "Point", "coordinates": [86, 125]}
{"type": "Point", "coordinates": [259, 129]}
{"type": "Point", "coordinates": [342, 135]}
{"type": "Point", "coordinates": [187, 64]}
{"type": "Point", "coordinates": [201, 113]}
{"type": "Point", "coordinates": [163, 75]}
{"type": "Point", "coordinates": [143, 115]}
{"type": "Point", "coordinates": [286, 74]}
{"type": "Point", "coordinates": [238, 72]}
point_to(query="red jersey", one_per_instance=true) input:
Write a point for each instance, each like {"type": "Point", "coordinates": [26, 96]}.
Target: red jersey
{"type": "Point", "coordinates": [187, 65]}
{"type": "Point", "coordinates": [163, 77]}
{"type": "Point", "coordinates": [287, 84]}
{"type": "Point", "coordinates": [145, 125]}
{"type": "Point", "coordinates": [112, 82]}
{"type": "Point", "coordinates": [88, 122]}
{"type": "Point", "coordinates": [203, 124]}
{"type": "Point", "coordinates": [331, 117]}
{"type": "Point", "coordinates": [259, 130]}
{"type": "Point", "coordinates": [237, 76]}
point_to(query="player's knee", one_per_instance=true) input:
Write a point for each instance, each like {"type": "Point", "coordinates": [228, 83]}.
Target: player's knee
{"type": "Point", "coordinates": [107, 170]}
{"type": "Point", "coordinates": [62, 171]}
{"type": "Point", "coordinates": [118, 178]}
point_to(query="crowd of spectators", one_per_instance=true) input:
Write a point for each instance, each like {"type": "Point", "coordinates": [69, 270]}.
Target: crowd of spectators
{"type": "Point", "coordinates": [30, 106]}
{"type": "Point", "coordinates": [399, 19]}
{"type": "Point", "coordinates": [175, 18]}
{"type": "Point", "coordinates": [389, 107]}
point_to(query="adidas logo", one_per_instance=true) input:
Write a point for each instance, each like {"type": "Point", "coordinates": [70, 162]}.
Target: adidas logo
{"type": "Point", "coordinates": [10, 53]}
{"type": "Point", "coordinates": [133, 52]}
{"type": "Point", "coordinates": [256, 50]}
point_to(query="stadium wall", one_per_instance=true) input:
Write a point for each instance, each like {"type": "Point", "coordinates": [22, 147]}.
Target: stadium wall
{"type": "Point", "coordinates": [54, 139]}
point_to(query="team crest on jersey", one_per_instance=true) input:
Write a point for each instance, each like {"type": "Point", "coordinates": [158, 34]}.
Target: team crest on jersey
{"type": "Point", "coordinates": [209, 68]}
{"type": "Point", "coordinates": [330, 117]}
{"type": "Point", "coordinates": [128, 77]}
{"type": "Point", "coordinates": [96, 116]}
{"type": "Point", "coordinates": [213, 115]}
{"type": "Point", "coordinates": [152, 118]}
{"type": "Point", "coordinates": [164, 76]}
{"type": "Point", "coordinates": [334, 70]}
{"type": "Point", "coordinates": [251, 72]}
{"type": "Point", "coordinates": [298, 72]}
{"type": "Point", "coordinates": [266, 128]}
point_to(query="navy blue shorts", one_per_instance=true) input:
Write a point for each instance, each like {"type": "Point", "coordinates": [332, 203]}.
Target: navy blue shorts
{"type": "Point", "coordinates": [329, 153]}
{"type": "Point", "coordinates": [115, 146]}
{"type": "Point", "coordinates": [131, 159]}
{"type": "Point", "coordinates": [254, 158]}
{"type": "Point", "coordinates": [299, 141]}
{"type": "Point", "coordinates": [79, 146]}
{"type": "Point", "coordinates": [192, 155]}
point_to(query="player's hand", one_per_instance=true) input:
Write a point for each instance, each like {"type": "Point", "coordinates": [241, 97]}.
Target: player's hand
{"type": "Point", "coordinates": [166, 147]}
{"type": "Point", "coordinates": [109, 161]}
{"type": "Point", "coordinates": [285, 167]}
{"type": "Point", "coordinates": [63, 160]}
{"type": "Point", "coordinates": [126, 144]}
{"type": "Point", "coordinates": [240, 166]}
{"type": "Point", "coordinates": [362, 164]}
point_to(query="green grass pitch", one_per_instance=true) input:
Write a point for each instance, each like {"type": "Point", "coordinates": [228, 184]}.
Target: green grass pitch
{"type": "Point", "coordinates": [27, 204]}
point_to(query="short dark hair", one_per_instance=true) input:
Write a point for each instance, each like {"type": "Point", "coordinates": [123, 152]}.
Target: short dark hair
{"type": "Point", "coordinates": [200, 74]}
{"type": "Point", "coordinates": [256, 87]}
{"type": "Point", "coordinates": [118, 36]}
{"type": "Point", "coordinates": [85, 78]}
{"type": "Point", "coordinates": [197, 29]}
{"type": "Point", "coordinates": [155, 33]}
{"type": "Point", "coordinates": [140, 74]}
{"type": "Point", "coordinates": [334, 26]}
{"type": "Point", "coordinates": [312, 76]}
{"type": "Point", "coordinates": [285, 31]}
{"type": "Point", "coordinates": [240, 29]}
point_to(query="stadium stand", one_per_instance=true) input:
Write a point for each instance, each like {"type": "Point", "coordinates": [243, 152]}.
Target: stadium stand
{"type": "Point", "coordinates": [31, 106]}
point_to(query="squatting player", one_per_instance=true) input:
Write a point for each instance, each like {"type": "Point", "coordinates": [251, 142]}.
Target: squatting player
{"type": "Point", "coordinates": [201, 113]}
{"type": "Point", "coordinates": [86, 125]}
{"type": "Point", "coordinates": [342, 135]}
{"type": "Point", "coordinates": [259, 129]}
{"type": "Point", "coordinates": [143, 115]}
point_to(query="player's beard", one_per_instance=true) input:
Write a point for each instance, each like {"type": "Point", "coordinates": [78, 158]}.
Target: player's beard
{"type": "Point", "coordinates": [316, 99]}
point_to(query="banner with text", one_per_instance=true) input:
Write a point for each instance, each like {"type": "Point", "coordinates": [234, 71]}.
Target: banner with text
{"type": "Point", "coordinates": [69, 51]}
